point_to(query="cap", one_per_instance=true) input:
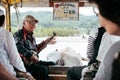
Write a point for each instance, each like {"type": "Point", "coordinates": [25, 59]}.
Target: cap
{"type": "Point", "coordinates": [1, 12]}
{"type": "Point", "coordinates": [30, 18]}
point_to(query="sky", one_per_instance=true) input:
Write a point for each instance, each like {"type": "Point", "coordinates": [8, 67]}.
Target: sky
{"type": "Point", "coordinates": [82, 10]}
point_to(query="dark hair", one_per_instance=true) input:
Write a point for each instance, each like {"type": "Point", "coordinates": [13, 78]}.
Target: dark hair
{"type": "Point", "coordinates": [109, 9]}
{"type": "Point", "coordinates": [2, 18]}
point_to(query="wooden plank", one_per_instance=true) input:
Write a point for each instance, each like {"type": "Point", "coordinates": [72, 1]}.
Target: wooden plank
{"type": "Point", "coordinates": [57, 77]}
{"type": "Point", "coordinates": [58, 69]}
{"type": "Point", "coordinates": [58, 72]}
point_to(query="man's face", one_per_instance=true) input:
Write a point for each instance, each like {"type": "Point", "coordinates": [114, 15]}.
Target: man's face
{"type": "Point", "coordinates": [29, 25]}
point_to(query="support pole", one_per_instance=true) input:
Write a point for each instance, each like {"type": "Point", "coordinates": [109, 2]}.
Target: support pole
{"type": "Point", "coordinates": [8, 21]}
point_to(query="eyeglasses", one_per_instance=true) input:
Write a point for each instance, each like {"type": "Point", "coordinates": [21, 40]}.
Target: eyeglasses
{"type": "Point", "coordinates": [96, 11]}
{"type": "Point", "coordinates": [31, 22]}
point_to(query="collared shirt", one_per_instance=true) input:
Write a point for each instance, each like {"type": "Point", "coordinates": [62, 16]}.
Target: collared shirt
{"type": "Point", "coordinates": [9, 56]}
{"type": "Point", "coordinates": [25, 43]}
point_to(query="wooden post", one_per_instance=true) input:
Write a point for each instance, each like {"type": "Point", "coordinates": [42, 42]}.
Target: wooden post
{"type": "Point", "coordinates": [8, 21]}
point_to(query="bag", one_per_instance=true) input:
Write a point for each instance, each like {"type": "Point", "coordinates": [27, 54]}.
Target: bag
{"type": "Point", "coordinates": [94, 68]}
{"type": "Point", "coordinates": [91, 72]}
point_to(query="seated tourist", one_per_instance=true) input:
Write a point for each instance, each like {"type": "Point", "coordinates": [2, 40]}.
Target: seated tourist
{"type": "Point", "coordinates": [9, 56]}
{"type": "Point", "coordinates": [109, 16]}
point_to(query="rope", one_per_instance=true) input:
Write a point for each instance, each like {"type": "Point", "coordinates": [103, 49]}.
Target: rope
{"type": "Point", "coordinates": [17, 14]}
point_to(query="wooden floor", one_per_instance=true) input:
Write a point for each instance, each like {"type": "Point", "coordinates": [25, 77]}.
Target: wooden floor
{"type": "Point", "coordinates": [58, 72]}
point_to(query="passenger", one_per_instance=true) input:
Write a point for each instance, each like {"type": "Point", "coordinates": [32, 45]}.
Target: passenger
{"type": "Point", "coordinates": [9, 57]}
{"type": "Point", "coordinates": [28, 49]}
{"type": "Point", "coordinates": [109, 16]}
{"type": "Point", "coordinates": [75, 73]}
{"type": "Point", "coordinates": [106, 42]}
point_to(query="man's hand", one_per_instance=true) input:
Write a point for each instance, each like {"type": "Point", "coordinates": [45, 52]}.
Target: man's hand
{"type": "Point", "coordinates": [25, 75]}
{"type": "Point", "coordinates": [34, 58]}
{"type": "Point", "coordinates": [52, 41]}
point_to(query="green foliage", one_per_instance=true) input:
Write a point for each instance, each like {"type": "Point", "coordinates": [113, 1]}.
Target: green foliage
{"type": "Point", "coordinates": [59, 31]}
{"type": "Point", "coordinates": [14, 29]}
{"type": "Point", "coordinates": [47, 25]}
{"type": "Point", "coordinates": [41, 32]}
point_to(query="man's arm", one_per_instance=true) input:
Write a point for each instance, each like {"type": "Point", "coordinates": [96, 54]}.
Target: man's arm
{"type": "Point", "coordinates": [90, 47]}
{"type": "Point", "coordinates": [5, 75]}
{"type": "Point", "coordinates": [91, 39]}
{"type": "Point", "coordinates": [43, 44]}
{"type": "Point", "coordinates": [20, 45]}
{"type": "Point", "coordinates": [26, 54]}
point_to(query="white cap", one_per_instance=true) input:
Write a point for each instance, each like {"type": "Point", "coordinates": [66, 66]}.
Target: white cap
{"type": "Point", "coordinates": [1, 12]}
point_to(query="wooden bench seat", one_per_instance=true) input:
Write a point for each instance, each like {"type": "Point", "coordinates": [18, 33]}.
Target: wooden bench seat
{"type": "Point", "coordinates": [57, 77]}
{"type": "Point", "coordinates": [58, 72]}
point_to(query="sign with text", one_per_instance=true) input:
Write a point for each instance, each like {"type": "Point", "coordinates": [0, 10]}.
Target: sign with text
{"type": "Point", "coordinates": [61, 0]}
{"type": "Point", "coordinates": [66, 11]}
